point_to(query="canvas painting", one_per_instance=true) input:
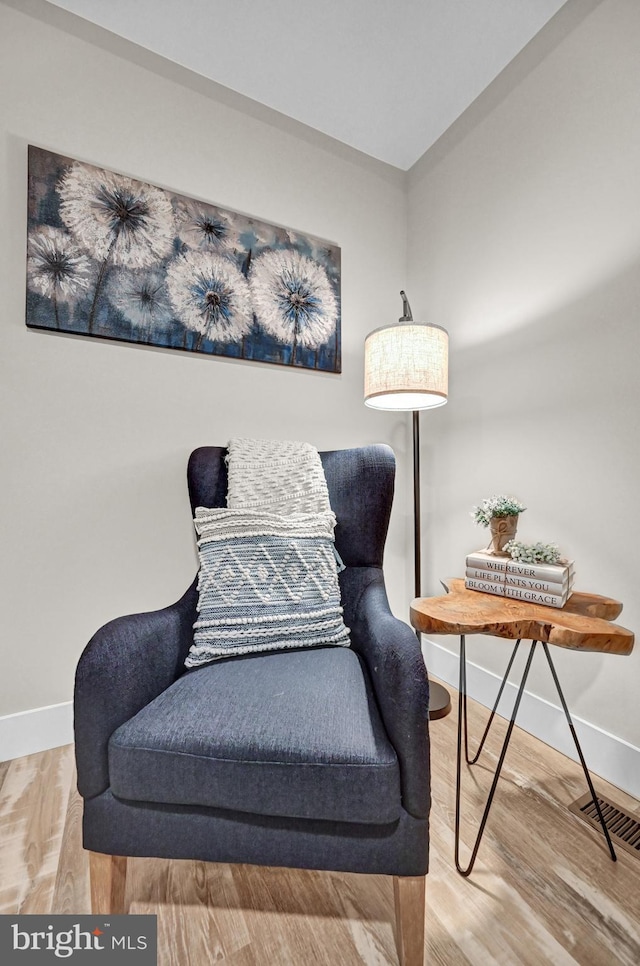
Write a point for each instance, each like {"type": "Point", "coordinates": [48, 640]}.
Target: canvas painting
{"type": "Point", "coordinates": [116, 258]}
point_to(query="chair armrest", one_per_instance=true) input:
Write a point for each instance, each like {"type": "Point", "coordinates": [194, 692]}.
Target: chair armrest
{"type": "Point", "coordinates": [394, 660]}
{"type": "Point", "coordinates": [125, 665]}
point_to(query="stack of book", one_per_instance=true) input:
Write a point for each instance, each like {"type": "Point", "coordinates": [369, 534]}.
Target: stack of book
{"type": "Point", "coordinates": [547, 584]}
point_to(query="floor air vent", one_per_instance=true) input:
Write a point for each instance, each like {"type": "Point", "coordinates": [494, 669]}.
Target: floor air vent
{"type": "Point", "coordinates": [624, 828]}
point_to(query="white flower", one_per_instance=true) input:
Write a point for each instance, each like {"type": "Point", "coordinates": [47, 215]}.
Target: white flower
{"type": "Point", "coordinates": [56, 267]}
{"type": "Point", "coordinates": [496, 506]}
{"type": "Point", "coordinates": [115, 217]}
{"type": "Point", "coordinates": [141, 297]}
{"type": "Point", "coordinates": [293, 299]}
{"type": "Point", "coordinates": [533, 553]}
{"type": "Point", "coordinates": [210, 296]}
{"type": "Point", "coordinates": [204, 227]}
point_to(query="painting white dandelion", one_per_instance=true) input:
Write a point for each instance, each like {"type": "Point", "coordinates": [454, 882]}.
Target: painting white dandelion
{"type": "Point", "coordinates": [56, 267]}
{"type": "Point", "coordinates": [116, 258]}
{"type": "Point", "coordinates": [293, 299]}
{"type": "Point", "coordinates": [211, 296]}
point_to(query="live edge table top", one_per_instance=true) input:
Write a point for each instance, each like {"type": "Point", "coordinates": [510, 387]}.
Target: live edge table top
{"type": "Point", "coordinates": [583, 624]}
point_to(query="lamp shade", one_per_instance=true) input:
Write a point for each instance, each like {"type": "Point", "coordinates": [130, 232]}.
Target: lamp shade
{"type": "Point", "coordinates": [406, 366]}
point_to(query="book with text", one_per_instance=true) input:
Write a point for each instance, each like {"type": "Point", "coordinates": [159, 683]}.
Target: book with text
{"type": "Point", "coordinates": [518, 593]}
{"type": "Point", "coordinates": [555, 573]}
{"type": "Point", "coordinates": [512, 580]}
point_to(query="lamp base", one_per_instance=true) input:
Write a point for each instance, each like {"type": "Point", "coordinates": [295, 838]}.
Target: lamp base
{"type": "Point", "coordinates": [439, 701]}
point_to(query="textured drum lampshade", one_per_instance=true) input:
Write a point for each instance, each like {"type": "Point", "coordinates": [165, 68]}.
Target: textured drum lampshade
{"type": "Point", "coordinates": [406, 366]}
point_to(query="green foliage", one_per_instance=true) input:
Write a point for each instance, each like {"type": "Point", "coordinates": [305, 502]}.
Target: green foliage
{"type": "Point", "coordinates": [532, 553]}
{"type": "Point", "coordinates": [496, 506]}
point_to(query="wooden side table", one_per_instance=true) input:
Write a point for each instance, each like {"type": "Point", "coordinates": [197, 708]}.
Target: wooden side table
{"type": "Point", "coordinates": [583, 624]}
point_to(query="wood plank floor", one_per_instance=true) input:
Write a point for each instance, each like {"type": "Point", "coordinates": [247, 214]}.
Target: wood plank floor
{"type": "Point", "coordinates": [544, 890]}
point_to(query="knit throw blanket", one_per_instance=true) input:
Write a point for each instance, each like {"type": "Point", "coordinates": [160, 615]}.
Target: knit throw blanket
{"type": "Point", "coordinates": [268, 576]}
{"type": "Point", "coordinates": [278, 477]}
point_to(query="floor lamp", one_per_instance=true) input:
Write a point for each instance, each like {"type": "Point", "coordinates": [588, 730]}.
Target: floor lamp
{"type": "Point", "coordinates": [406, 367]}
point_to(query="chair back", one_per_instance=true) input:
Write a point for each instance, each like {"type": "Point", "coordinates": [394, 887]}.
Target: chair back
{"type": "Point", "coordinates": [360, 483]}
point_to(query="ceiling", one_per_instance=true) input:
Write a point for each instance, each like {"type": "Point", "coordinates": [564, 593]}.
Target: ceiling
{"type": "Point", "coordinates": [387, 77]}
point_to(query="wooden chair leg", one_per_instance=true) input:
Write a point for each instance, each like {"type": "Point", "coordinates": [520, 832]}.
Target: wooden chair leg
{"type": "Point", "coordinates": [108, 875]}
{"type": "Point", "coordinates": [409, 896]}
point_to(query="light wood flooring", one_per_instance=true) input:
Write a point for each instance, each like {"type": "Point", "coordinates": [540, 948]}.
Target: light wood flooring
{"type": "Point", "coordinates": [544, 890]}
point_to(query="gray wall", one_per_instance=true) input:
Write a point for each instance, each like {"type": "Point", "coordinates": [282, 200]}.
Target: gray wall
{"type": "Point", "coordinates": [96, 435]}
{"type": "Point", "coordinates": [524, 241]}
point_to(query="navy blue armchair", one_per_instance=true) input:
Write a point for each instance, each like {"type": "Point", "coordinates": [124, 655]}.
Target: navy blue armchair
{"type": "Point", "coordinates": [314, 758]}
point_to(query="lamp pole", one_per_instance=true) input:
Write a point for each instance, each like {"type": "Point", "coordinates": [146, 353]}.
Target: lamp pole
{"type": "Point", "coordinates": [417, 556]}
{"type": "Point", "coordinates": [439, 697]}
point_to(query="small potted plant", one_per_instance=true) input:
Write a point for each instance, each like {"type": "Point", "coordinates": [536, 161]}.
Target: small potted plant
{"type": "Point", "coordinates": [500, 514]}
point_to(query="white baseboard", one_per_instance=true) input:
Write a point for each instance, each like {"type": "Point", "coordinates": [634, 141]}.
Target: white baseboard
{"type": "Point", "coordinates": [612, 758]}
{"type": "Point", "coordinates": [27, 732]}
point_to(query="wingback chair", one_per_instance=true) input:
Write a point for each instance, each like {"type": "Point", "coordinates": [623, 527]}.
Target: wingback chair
{"type": "Point", "coordinates": [312, 759]}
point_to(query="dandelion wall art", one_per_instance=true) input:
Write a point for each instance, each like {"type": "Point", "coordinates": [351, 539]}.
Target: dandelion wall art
{"type": "Point", "coordinates": [116, 258]}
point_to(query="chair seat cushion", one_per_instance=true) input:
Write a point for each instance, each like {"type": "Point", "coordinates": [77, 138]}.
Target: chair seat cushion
{"type": "Point", "coordinates": [294, 733]}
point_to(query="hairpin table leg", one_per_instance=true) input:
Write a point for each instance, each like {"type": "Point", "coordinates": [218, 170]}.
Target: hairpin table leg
{"type": "Point", "coordinates": [592, 792]}
{"type": "Point", "coordinates": [462, 708]}
{"type": "Point", "coordinates": [472, 761]}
